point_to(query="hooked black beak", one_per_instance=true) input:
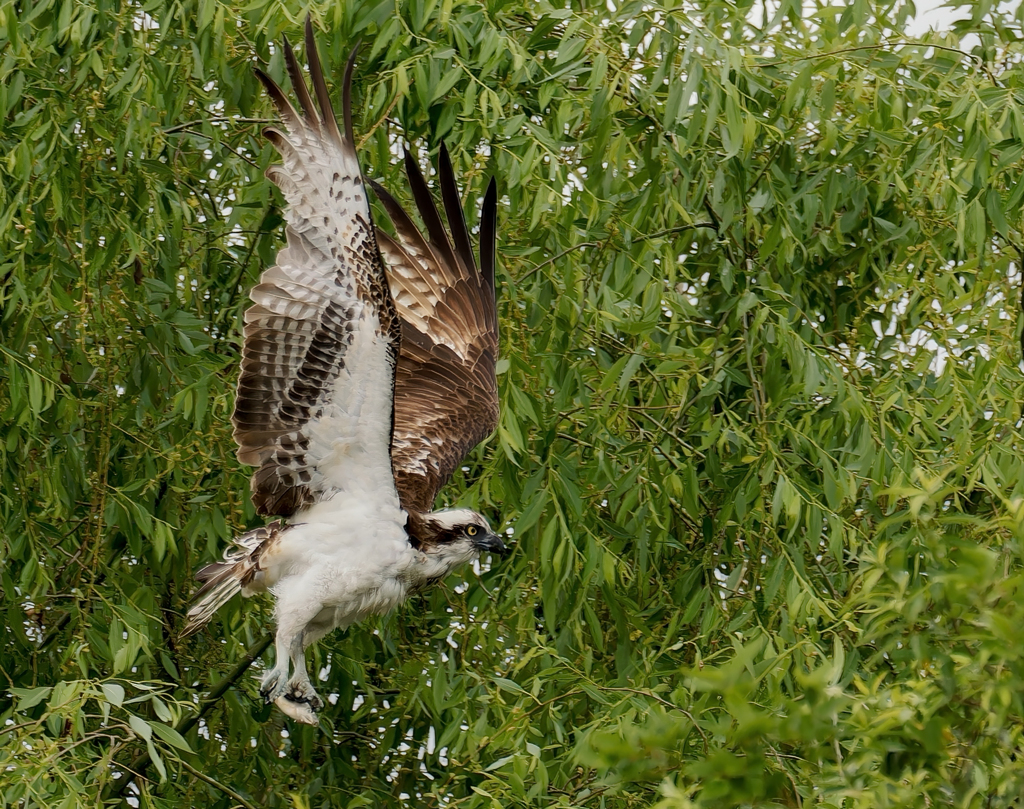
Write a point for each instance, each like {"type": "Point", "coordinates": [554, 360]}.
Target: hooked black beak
{"type": "Point", "coordinates": [491, 543]}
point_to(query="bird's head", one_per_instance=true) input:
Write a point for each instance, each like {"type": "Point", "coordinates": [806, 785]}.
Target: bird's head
{"type": "Point", "coordinates": [455, 535]}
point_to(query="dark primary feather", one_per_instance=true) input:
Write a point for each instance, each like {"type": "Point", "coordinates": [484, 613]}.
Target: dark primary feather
{"type": "Point", "coordinates": [488, 235]}
{"type": "Point", "coordinates": [453, 205]}
{"type": "Point", "coordinates": [429, 214]}
{"type": "Point", "coordinates": [446, 396]}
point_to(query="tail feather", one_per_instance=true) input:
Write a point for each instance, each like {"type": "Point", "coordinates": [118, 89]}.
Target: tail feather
{"type": "Point", "coordinates": [222, 580]}
{"type": "Point", "coordinates": [204, 574]}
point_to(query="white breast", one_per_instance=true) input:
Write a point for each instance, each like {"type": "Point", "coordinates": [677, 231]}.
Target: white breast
{"type": "Point", "coordinates": [350, 553]}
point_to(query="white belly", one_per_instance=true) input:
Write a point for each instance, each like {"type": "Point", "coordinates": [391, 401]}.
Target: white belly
{"type": "Point", "coordinates": [340, 561]}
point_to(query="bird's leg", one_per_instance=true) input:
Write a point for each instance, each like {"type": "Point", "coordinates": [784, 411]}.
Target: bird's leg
{"type": "Point", "coordinates": [275, 681]}
{"type": "Point", "coordinates": [300, 689]}
{"type": "Point", "coordinates": [291, 626]}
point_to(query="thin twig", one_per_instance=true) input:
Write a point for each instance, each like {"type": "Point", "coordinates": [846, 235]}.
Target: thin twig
{"type": "Point", "coordinates": [217, 784]}
{"type": "Point", "coordinates": [380, 120]}
{"type": "Point", "coordinates": [645, 237]}
{"type": "Point", "coordinates": [677, 229]}
{"type": "Point", "coordinates": [555, 258]}
{"type": "Point", "coordinates": [767, 166]}
{"type": "Point", "coordinates": [230, 148]}
{"type": "Point", "coordinates": [665, 703]}
{"type": "Point", "coordinates": [778, 758]}
{"type": "Point", "coordinates": [756, 390]}
{"type": "Point", "coordinates": [215, 120]}
{"type": "Point", "coordinates": [233, 289]}
{"type": "Point", "coordinates": [887, 46]}
{"type": "Point", "coordinates": [142, 761]}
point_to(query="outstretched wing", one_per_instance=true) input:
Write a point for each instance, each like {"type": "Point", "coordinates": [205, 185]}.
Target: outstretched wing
{"type": "Point", "coordinates": [321, 340]}
{"type": "Point", "coordinates": [446, 394]}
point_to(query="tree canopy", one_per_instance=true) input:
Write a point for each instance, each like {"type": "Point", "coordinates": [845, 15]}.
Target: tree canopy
{"type": "Point", "coordinates": [760, 445]}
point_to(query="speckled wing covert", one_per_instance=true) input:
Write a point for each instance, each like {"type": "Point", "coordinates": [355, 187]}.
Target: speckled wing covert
{"type": "Point", "coordinates": [446, 395]}
{"type": "Point", "coordinates": [322, 335]}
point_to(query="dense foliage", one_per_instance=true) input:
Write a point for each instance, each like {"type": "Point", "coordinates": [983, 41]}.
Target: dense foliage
{"type": "Point", "coordinates": [760, 444]}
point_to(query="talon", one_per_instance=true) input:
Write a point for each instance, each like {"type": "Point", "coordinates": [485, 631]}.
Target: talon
{"type": "Point", "coordinates": [273, 686]}
{"type": "Point", "coordinates": [314, 702]}
{"type": "Point", "coordinates": [302, 692]}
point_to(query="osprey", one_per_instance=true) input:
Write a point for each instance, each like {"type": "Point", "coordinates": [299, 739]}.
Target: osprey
{"type": "Point", "coordinates": [362, 389]}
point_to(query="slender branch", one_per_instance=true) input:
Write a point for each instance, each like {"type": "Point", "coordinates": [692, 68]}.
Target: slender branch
{"type": "Point", "coordinates": [142, 761]}
{"type": "Point", "coordinates": [678, 229]}
{"type": "Point", "coordinates": [828, 581]}
{"type": "Point", "coordinates": [756, 389]}
{"type": "Point", "coordinates": [711, 212]}
{"type": "Point", "coordinates": [767, 166]}
{"type": "Point", "coordinates": [221, 688]}
{"type": "Point", "coordinates": [887, 46]}
{"type": "Point", "coordinates": [670, 705]}
{"type": "Point", "coordinates": [642, 238]}
{"type": "Point", "coordinates": [555, 258]}
{"type": "Point", "coordinates": [380, 120]}
{"type": "Point", "coordinates": [230, 148]}
{"type": "Point", "coordinates": [1022, 328]}
{"type": "Point", "coordinates": [220, 119]}
{"type": "Point", "coordinates": [243, 267]}
{"type": "Point", "coordinates": [65, 619]}
{"type": "Point", "coordinates": [778, 758]}
{"type": "Point", "coordinates": [216, 784]}
{"type": "Point", "coordinates": [28, 367]}
{"type": "Point", "coordinates": [1020, 256]}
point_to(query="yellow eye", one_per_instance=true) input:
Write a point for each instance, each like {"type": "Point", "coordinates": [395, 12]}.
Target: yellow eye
{"type": "Point", "coordinates": [471, 530]}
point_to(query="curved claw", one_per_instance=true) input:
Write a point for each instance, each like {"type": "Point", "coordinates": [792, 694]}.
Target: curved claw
{"type": "Point", "coordinates": [273, 685]}
{"type": "Point", "coordinates": [301, 691]}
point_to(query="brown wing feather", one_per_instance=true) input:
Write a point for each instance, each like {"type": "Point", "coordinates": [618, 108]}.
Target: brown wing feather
{"type": "Point", "coordinates": [327, 285]}
{"type": "Point", "coordinates": [446, 395]}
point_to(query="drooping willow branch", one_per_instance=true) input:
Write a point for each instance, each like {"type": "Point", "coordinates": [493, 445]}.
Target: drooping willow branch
{"type": "Point", "coordinates": [642, 238]}
{"type": "Point", "coordinates": [142, 761]}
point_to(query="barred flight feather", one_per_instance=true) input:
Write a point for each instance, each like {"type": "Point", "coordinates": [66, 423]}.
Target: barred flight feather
{"type": "Point", "coordinates": [307, 309]}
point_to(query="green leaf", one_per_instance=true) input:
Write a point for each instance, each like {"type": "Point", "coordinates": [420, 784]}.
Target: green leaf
{"type": "Point", "coordinates": [171, 736]}
{"type": "Point", "coordinates": [141, 727]}
{"type": "Point", "coordinates": [30, 697]}
{"type": "Point", "coordinates": [113, 693]}
{"type": "Point", "coordinates": [508, 685]}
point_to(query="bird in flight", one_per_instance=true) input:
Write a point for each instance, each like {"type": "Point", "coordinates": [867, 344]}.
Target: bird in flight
{"type": "Point", "coordinates": [363, 387]}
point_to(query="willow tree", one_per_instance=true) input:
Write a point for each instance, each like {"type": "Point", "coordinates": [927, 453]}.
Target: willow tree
{"type": "Point", "coordinates": [759, 452]}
